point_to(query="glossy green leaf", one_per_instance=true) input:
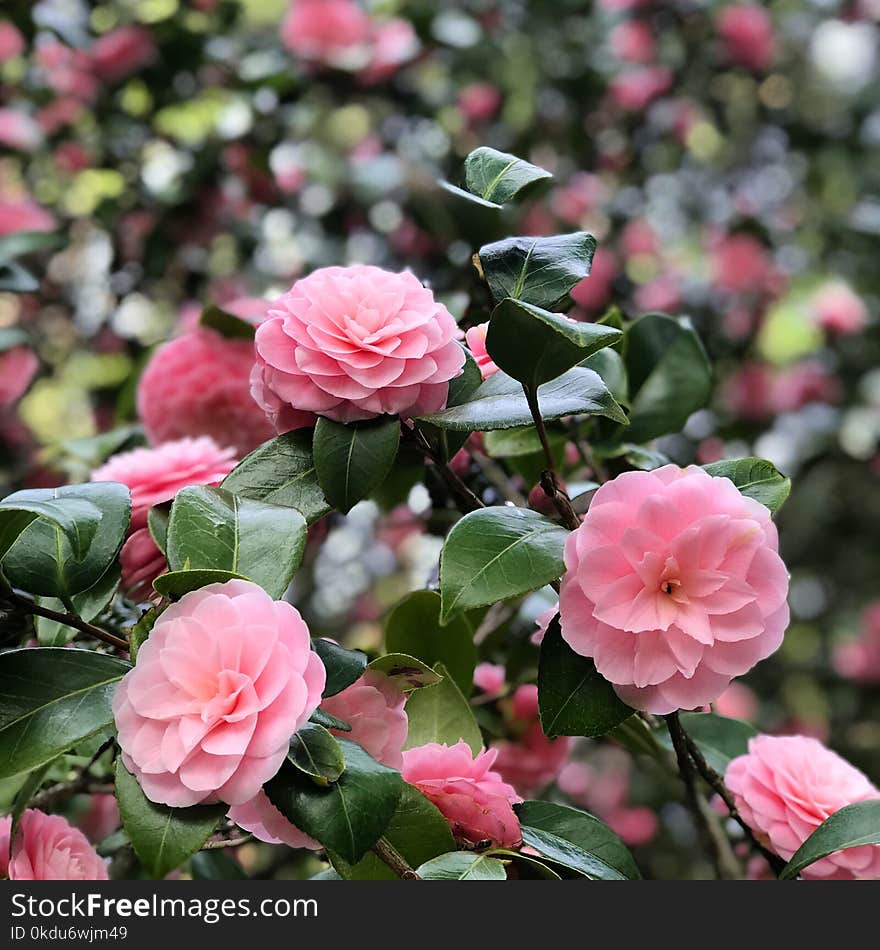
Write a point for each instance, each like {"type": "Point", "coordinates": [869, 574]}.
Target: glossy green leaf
{"type": "Point", "coordinates": [462, 866]}
{"type": "Point", "coordinates": [141, 631]}
{"type": "Point", "coordinates": [405, 671]}
{"type": "Point", "coordinates": [499, 403]}
{"type": "Point", "coordinates": [539, 270]}
{"type": "Point", "coordinates": [162, 837]}
{"type": "Point", "coordinates": [74, 514]}
{"type": "Point", "coordinates": [157, 523]}
{"type": "Point", "coordinates": [755, 478]}
{"type": "Point", "coordinates": [498, 178]}
{"type": "Point", "coordinates": [316, 753]}
{"type": "Point", "coordinates": [212, 529]}
{"type": "Point", "coordinates": [348, 816]}
{"type": "Point", "coordinates": [576, 840]}
{"type": "Point", "coordinates": [175, 584]}
{"type": "Point", "coordinates": [496, 553]}
{"type": "Point", "coordinates": [852, 827]}
{"type": "Point", "coordinates": [87, 606]}
{"type": "Point", "coordinates": [417, 831]}
{"type": "Point", "coordinates": [534, 346]}
{"type": "Point", "coordinates": [43, 560]}
{"type": "Point", "coordinates": [441, 714]}
{"type": "Point", "coordinates": [343, 666]}
{"type": "Point", "coordinates": [352, 460]}
{"type": "Point", "coordinates": [514, 443]}
{"type": "Point", "coordinates": [574, 698]}
{"type": "Point", "coordinates": [321, 718]}
{"type": "Point", "coordinates": [281, 472]}
{"type": "Point", "coordinates": [413, 627]}
{"type": "Point", "coordinates": [669, 375]}
{"type": "Point", "coordinates": [227, 324]}
{"type": "Point", "coordinates": [51, 699]}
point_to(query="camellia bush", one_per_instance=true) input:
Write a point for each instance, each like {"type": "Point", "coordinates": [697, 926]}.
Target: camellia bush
{"type": "Point", "coordinates": [441, 562]}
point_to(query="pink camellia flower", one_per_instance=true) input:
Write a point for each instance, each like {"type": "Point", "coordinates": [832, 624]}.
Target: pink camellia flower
{"type": "Point", "coordinates": [748, 392]}
{"type": "Point", "coordinates": [738, 702]}
{"type": "Point", "coordinates": [475, 801]}
{"type": "Point", "coordinates": [121, 52]}
{"type": "Point", "coordinates": [593, 292]}
{"type": "Point", "coordinates": [804, 383]}
{"type": "Point", "coordinates": [68, 70]}
{"type": "Point", "coordinates": [263, 820]}
{"type": "Point", "coordinates": [11, 41]}
{"type": "Point", "coordinates": [859, 658]}
{"type": "Point", "coordinates": [636, 88]}
{"type": "Point", "coordinates": [531, 761]}
{"type": "Point", "coordinates": [18, 366]}
{"type": "Point", "coordinates": [353, 343]}
{"type": "Point", "coordinates": [479, 101]}
{"type": "Point", "coordinates": [476, 342]}
{"type": "Point", "coordinates": [746, 31]}
{"type": "Point", "coordinates": [490, 678]}
{"type": "Point", "coordinates": [19, 131]}
{"type": "Point", "coordinates": [100, 819]}
{"type": "Point", "coordinates": [542, 622]}
{"type": "Point", "coordinates": [673, 586]}
{"type": "Point", "coordinates": [225, 678]}
{"type": "Point", "coordinates": [155, 476]}
{"type": "Point", "coordinates": [394, 43]}
{"type": "Point", "coordinates": [786, 786]}
{"type": "Point", "coordinates": [374, 708]}
{"type": "Point", "coordinates": [330, 32]}
{"type": "Point", "coordinates": [47, 848]}
{"type": "Point", "coordinates": [199, 385]}
{"type": "Point", "coordinates": [741, 264]}
{"type": "Point", "coordinates": [633, 41]}
{"type": "Point", "coordinates": [838, 309]}
{"type": "Point", "coordinates": [661, 293]}
{"type": "Point", "coordinates": [22, 214]}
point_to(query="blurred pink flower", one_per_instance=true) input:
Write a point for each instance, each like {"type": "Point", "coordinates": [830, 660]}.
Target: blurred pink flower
{"type": "Point", "coordinates": [786, 786]}
{"type": "Point", "coordinates": [352, 343]}
{"type": "Point", "coordinates": [100, 819]}
{"type": "Point", "coordinates": [747, 35]}
{"type": "Point", "coordinates": [490, 678]}
{"type": "Point", "coordinates": [838, 309]}
{"type": "Point", "coordinates": [475, 801]}
{"type": "Point", "coordinates": [68, 71]}
{"type": "Point", "coordinates": [479, 101]}
{"type": "Point", "coordinates": [22, 214]}
{"type": "Point", "coordinates": [122, 51]}
{"type": "Point", "coordinates": [858, 659]}
{"type": "Point", "coordinates": [47, 848]}
{"type": "Point", "coordinates": [19, 131]}
{"type": "Point", "coordinates": [738, 702]}
{"type": "Point", "coordinates": [394, 43]}
{"type": "Point", "coordinates": [663, 293]}
{"type": "Point", "coordinates": [11, 41]}
{"type": "Point", "coordinates": [673, 586]}
{"type": "Point", "coordinates": [593, 292]}
{"type": "Point", "coordinates": [741, 264]}
{"type": "Point", "coordinates": [225, 678]}
{"type": "Point", "coordinates": [18, 366]}
{"type": "Point", "coordinates": [636, 88]}
{"type": "Point", "coordinates": [633, 41]}
{"type": "Point", "coordinates": [330, 32]}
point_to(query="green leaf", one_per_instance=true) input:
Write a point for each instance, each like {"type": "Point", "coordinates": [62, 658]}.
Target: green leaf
{"type": "Point", "coordinates": [343, 666]}
{"type": "Point", "coordinates": [441, 714]}
{"type": "Point", "coordinates": [214, 865]}
{"type": "Point", "coordinates": [43, 560]}
{"type": "Point", "coordinates": [534, 346]}
{"type": "Point", "coordinates": [462, 866]}
{"type": "Point", "coordinates": [26, 242]}
{"type": "Point", "coordinates": [317, 754]}
{"type": "Point", "coordinates": [609, 365]}
{"type": "Point", "coordinates": [496, 553]}
{"type": "Point", "coordinates": [417, 831]}
{"type": "Point", "coordinates": [719, 738]}
{"type": "Point", "coordinates": [227, 324]}
{"type": "Point", "coordinates": [413, 627]}
{"type": "Point", "coordinates": [645, 460]}
{"type": "Point", "coordinates": [349, 816]}
{"type": "Point", "coordinates": [464, 386]}
{"type": "Point", "coordinates": [76, 517]}
{"type": "Point", "coordinates": [526, 867]}
{"type": "Point", "coordinates": [157, 523]}
{"type": "Point", "coordinates": [515, 443]}
{"type": "Point", "coordinates": [321, 718]}
{"type": "Point", "coordinates": [497, 177]}
{"type": "Point", "coordinates": [500, 403]}
{"type": "Point", "coordinates": [539, 270]}
{"type": "Point", "coordinates": [407, 672]}
{"type": "Point", "coordinates": [175, 584]}
{"type": "Point", "coordinates": [87, 605]}
{"type": "Point", "coordinates": [574, 698]}
{"type": "Point", "coordinates": [51, 699]}
{"type": "Point", "coordinates": [212, 529]}
{"type": "Point", "coordinates": [851, 827]}
{"type": "Point", "coordinates": [352, 460]}
{"type": "Point", "coordinates": [281, 472]}
{"type": "Point", "coordinates": [162, 837]}
{"type": "Point", "coordinates": [467, 196]}
{"type": "Point", "coordinates": [140, 631]}
{"type": "Point", "coordinates": [576, 840]}
{"type": "Point", "coordinates": [755, 478]}
{"type": "Point", "coordinates": [669, 375]}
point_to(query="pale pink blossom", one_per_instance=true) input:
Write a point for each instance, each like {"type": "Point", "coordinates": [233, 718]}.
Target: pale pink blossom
{"type": "Point", "coordinates": [739, 263]}
{"type": "Point", "coordinates": [633, 41]}
{"type": "Point", "coordinates": [393, 43]}
{"type": "Point", "coordinates": [263, 820]}
{"type": "Point", "coordinates": [479, 101]}
{"type": "Point", "coordinates": [22, 214]}
{"type": "Point", "coordinates": [352, 343]}
{"type": "Point", "coordinates": [737, 701]}
{"type": "Point", "coordinates": [476, 342]}
{"type": "Point", "coordinates": [329, 32]}
{"type": "Point", "coordinates": [100, 819]}
{"type": "Point", "coordinates": [47, 848]}
{"type": "Point", "coordinates": [674, 586]}
{"type": "Point", "coordinates": [858, 659]}
{"type": "Point", "coordinates": [19, 131]}
{"type": "Point", "coordinates": [122, 51]}
{"type": "Point", "coordinates": [18, 366]}
{"type": "Point", "coordinates": [746, 32]}
{"type": "Point", "coordinates": [838, 309]}
{"type": "Point", "coordinates": [637, 87]}
{"type": "Point", "coordinates": [141, 562]}
{"type": "Point", "coordinates": [374, 708]}
{"type": "Point", "coordinates": [593, 292]}
{"type": "Point", "coordinates": [11, 41]}
{"type": "Point", "coordinates": [786, 786]}
{"type": "Point", "coordinates": [225, 678]}
{"type": "Point", "coordinates": [490, 678]}
{"type": "Point", "coordinates": [475, 800]}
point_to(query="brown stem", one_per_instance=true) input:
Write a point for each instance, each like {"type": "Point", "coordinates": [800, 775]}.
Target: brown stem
{"type": "Point", "coordinates": [716, 783]}
{"type": "Point", "coordinates": [549, 478]}
{"type": "Point", "coordinates": [69, 620]}
{"type": "Point", "coordinates": [227, 842]}
{"type": "Point", "coordinates": [686, 770]}
{"type": "Point", "coordinates": [467, 501]}
{"type": "Point", "coordinates": [386, 852]}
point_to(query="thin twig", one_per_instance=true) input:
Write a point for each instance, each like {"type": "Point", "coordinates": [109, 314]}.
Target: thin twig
{"type": "Point", "coordinates": [68, 619]}
{"type": "Point", "coordinates": [467, 501]}
{"type": "Point", "coordinates": [227, 842]}
{"type": "Point", "coordinates": [549, 478]}
{"type": "Point", "coordinates": [386, 852]}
